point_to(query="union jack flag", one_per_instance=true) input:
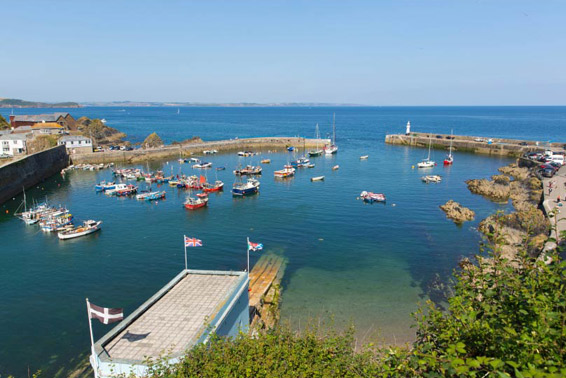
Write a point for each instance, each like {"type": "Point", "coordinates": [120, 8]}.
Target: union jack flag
{"type": "Point", "coordinates": [192, 242]}
{"type": "Point", "coordinates": [254, 246]}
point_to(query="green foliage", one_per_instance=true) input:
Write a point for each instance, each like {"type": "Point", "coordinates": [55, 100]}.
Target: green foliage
{"type": "Point", "coordinates": [3, 123]}
{"type": "Point", "coordinates": [506, 317]}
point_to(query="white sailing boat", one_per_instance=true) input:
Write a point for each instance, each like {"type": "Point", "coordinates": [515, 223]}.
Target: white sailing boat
{"type": "Point", "coordinates": [427, 163]}
{"type": "Point", "coordinates": [317, 151]}
{"type": "Point", "coordinates": [333, 148]}
{"type": "Point", "coordinates": [449, 158]}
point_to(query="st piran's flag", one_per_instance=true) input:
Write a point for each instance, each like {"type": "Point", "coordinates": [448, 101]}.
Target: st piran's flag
{"type": "Point", "coordinates": [105, 315]}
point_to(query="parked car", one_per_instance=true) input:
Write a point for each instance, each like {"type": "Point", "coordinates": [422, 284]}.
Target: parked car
{"type": "Point", "coordinates": [439, 136]}
{"type": "Point", "coordinates": [129, 148]}
{"type": "Point", "coordinates": [523, 144]}
{"type": "Point", "coordinates": [548, 172]}
{"type": "Point", "coordinates": [479, 140]}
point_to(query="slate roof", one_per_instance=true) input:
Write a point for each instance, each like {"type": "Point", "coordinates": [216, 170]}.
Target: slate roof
{"type": "Point", "coordinates": [52, 117]}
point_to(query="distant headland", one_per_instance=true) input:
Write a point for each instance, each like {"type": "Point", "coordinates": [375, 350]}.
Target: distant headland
{"type": "Point", "coordinates": [17, 103]}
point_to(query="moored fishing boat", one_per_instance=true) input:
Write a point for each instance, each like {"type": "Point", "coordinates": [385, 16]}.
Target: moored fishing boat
{"type": "Point", "coordinates": [127, 191]}
{"type": "Point", "coordinates": [216, 187]}
{"type": "Point", "coordinates": [202, 195]}
{"type": "Point", "coordinates": [336, 167]}
{"type": "Point", "coordinates": [203, 165]}
{"type": "Point", "coordinates": [285, 172]}
{"type": "Point", "coordinates": [301, 162]}
{"type": "Point", "coordinates": [103, 186]}
{"type": "Point", "coordinates": [150, 196]}
{"type": "Point", "coordinates": [371, 197]}
{"type": "Point", "coordinates": [364, 157]}
{"type": "Point", "coordinates": [265, 161]}
{"type": "Point", "coordinates": [195, 203]}
{"type": "Point", "coordinates": [248, 170]}
{"type": "Point", "coordinates": [245, 188]}
{"type": "Point", "coordinates": [88, 227]}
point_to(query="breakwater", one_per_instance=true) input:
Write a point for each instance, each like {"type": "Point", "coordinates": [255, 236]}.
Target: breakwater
{"type": "Point", "coordinates": [478, 145]}
{"type": "Point", "coordinates": [29, 171]}
{"type": "Point", "coordinates": [183, 150]}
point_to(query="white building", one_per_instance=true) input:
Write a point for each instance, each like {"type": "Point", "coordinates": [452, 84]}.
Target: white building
{"type": "Point", "coordinates": [76, 143]}
{"type": "Point", "coordinates": [13, 144]}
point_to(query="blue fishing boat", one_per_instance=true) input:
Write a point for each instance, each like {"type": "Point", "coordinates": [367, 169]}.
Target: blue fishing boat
{"type": "Point", "coordinates": [291, 149]}
{"type": "Point", "coordinates": [251, 186]}
{"type": "Point", "coordinates": [103, 186]}
{"type": "Point", "coordinates": [301, 162]}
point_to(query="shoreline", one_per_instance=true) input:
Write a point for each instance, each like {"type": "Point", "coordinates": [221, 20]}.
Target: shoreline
{"type": "Point", "coordinates": [185, 150]}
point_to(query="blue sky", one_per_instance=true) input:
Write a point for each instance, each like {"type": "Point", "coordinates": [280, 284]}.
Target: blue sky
{"type": "Point", "coordinates": [453, 52]}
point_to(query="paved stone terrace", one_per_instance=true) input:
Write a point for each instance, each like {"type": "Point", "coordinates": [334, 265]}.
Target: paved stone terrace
{"type": "Point", "coordinates": [176, 320]}
{"type": "Point", "coordinates": [551, 204]}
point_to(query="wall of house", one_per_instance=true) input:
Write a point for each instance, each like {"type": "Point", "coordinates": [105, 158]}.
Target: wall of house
{"type": "Point", "coordinates": [28, 171]}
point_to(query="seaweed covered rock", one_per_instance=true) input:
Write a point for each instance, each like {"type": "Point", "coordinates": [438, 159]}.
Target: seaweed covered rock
{"type": "Point", "coordinates": [457, 212]}
{"type": "Point", "coordinates": [489, 189]}
{"type": "Point", "coordinates": [501, 179]}
{"type": "Point", "coordinates": [512, 170]}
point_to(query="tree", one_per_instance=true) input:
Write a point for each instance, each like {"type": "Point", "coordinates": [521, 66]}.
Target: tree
{"type": "Point", "coordinates": [3, 123]}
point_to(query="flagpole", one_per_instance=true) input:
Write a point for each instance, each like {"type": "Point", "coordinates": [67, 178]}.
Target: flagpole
{"type": "Point", "coordinates": [248, 256]}
{"type": "Point", "coordinates": [185, 244]}
{"type": "Point", "coordinates": [94, 357]}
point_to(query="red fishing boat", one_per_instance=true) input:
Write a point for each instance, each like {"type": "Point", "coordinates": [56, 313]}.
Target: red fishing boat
{"type": "Point", "coordinates": [195, 203]}
{"type": "Point", "coordinates": [216, 187]}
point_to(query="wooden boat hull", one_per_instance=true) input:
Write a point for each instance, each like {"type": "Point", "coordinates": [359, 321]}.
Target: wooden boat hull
{"type": "Point", "coordinates": [66, 236]}
{"type": "Point", "coordinates": [196, 206]}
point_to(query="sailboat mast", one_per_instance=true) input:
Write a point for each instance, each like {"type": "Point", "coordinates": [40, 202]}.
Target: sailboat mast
{"type": "Point", "coordinates": [334, 128]}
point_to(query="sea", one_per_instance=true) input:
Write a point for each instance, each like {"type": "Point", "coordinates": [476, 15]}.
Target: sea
{"type": "Point", "coordinates": [348, 263]}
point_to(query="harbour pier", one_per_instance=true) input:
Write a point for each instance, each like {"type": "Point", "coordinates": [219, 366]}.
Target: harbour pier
{"type": "Point", "coordinates": [473, 144]}
{"type": "Point", "coordinates": [188, 149]}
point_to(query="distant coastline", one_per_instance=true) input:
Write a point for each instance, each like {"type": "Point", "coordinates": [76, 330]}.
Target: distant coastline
{"type": "Point", "coordinates": [212, 104]}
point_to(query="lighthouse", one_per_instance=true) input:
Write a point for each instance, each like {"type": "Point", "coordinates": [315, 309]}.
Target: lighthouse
{"type": "Point", "coordinates": [408, 128]}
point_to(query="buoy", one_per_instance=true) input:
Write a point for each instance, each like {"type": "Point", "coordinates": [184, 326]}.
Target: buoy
{"type": "Point", "coordinates": [412, 167]}
{"type": "Point", "coordinates": [7, 212]}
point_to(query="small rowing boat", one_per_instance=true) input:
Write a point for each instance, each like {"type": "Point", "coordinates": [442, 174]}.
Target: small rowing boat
{"type": "Point", "coordinates": [317, 178]}
{"type": "Point", "coordinates": [203, 165]}
{"type": "Point", "coordinates": [266, 161]}
{"type": "Point", "coordinates": [364, 157]}
{"type": "Point", "coordinates": [335, 168]}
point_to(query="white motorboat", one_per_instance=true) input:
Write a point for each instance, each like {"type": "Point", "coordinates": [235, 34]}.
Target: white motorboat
{"type": "Point", "coordinates": [87, 228]}
{"type": "Point", "coordinates": [317, 178]}
{"type": "Point", "coordinates": [431, 178]}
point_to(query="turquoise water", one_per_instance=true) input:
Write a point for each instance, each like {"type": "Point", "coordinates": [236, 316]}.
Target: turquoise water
{"type": "Point", "coordinates": [366, 264]}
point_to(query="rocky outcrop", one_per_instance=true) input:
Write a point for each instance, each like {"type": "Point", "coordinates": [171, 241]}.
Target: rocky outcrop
{"type": "Point", "coordinates": [153, 140]}
{"type": "Point", "coordinates": [457, 212]}
{"type": "Point", "coordinates": [527, 226]}
{"type": "Point", "coordinates": [490, 189]}
{"type": "Point", "coordinates": [512, 170]}
{"type": "Point", "coordinates": [98, 131]}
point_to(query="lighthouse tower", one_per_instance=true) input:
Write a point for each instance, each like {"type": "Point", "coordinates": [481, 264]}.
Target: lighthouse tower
{"type": "Point", "coordinates": [408, 128]}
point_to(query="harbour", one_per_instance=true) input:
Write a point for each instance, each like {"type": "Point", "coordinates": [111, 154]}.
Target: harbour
{"type": "Point", "coordinates": [344, 258]}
